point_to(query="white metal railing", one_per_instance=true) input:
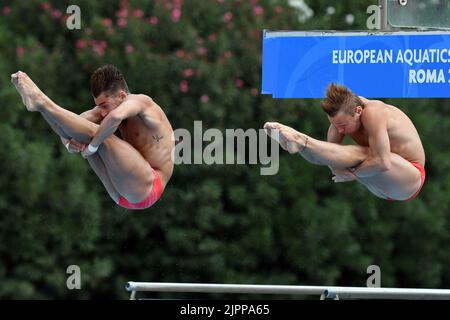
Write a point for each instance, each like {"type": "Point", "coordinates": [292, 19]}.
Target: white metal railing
{"type": "Point", "coordinates": [325, 292]}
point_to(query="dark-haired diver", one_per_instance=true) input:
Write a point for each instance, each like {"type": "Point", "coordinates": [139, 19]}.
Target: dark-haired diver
{"type": "Point", "coordinates": [134, 169]}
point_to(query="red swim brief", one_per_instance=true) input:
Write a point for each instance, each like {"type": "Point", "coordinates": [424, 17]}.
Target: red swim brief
{"type": "Point", "coordinates": [152, 197]}
{"type": "Point", "coordinates": [422, 180]}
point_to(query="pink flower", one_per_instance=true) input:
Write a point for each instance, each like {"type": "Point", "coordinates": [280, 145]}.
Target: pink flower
{"type": "Point", "coordinates": [99, 46]}
{"type": "Point", "coordinates": [184, 86]}
{"type": "Point", "coordinates": [180, 53]}
{"type": "Point", "coordinates": [254, 91]}
{"type": "Point", "coordinates": [129, 48]}
{"type": "Point", "coordinates": [153, 20]}
{"type": "Point", "coordinates": [239, 83]}
{"type": "Point", "coordinates": [6, 10]}
{"type": "Point", "coordinates": [56, 13]}
{"type": "Point", "coordinates": [227, 54]}
{"type": "Point", "coordinates": [99, 51]}
{"type": "Point", "coordinates": [122, 13]}
{"type": "Point", "coordinates": [253, 1]}
{"type": "Point", "coordinates": [45, 6]}
{"type": "Point", "coordinates": [258, 10]}
{"type": "Point", "coordinates": [138, 13]}
{"type": "Point", "coordinates": [201, 51]}
{"type": "Point", "coordinates": [228, 16]}
{"type": "Point", "coordinates": [20, 51]}
{"type": "Point", "coordinates": [220, 1]}
{"type": "Point", "coordinates": [278, 8]}
{"type": "Point", "coordinates": [81, 44]}
{"type": "Point", "coordinates": [176, 14]}
{"type": "Point", "coordinates": [107, 22]}
{"type": "Point", "coordinates": [187, 73]}
{"type": "Point", "coordinates": [204, 98]}
{"type": "Point", "coordinates": [212, 37]}
{"type": "Point", "coordinates": [122, 22]}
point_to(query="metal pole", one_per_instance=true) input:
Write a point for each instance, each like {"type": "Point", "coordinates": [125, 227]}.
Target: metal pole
{"type": "Point", "coordinates": [383, 4]}
{"type": "Point", "coordinates": [342, 292]}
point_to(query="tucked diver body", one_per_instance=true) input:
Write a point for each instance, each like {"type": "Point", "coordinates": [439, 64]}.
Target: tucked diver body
{"type": "Point", "coordinates": [388, 158]}
{"type": "Point", "coordinates": [135, 168]}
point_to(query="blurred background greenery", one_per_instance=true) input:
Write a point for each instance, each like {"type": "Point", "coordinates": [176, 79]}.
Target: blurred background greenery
{"type": "Point", "coordinates": [199, 60]}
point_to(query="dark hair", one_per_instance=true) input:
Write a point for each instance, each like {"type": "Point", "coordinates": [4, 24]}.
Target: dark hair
{"type": "Point", "coordinates": [107, 79]}
{"type": "Point", "coordinates": [340, 98]}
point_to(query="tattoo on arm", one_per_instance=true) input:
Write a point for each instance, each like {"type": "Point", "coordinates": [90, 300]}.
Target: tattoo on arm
{"type": "Point", "coordinates": [157, 138]}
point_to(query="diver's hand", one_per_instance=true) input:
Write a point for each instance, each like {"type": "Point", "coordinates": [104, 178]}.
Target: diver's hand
{"type": "Point", "coordinates": [342, 175]}
{"type": "Point", "coordinates": [74, 146]}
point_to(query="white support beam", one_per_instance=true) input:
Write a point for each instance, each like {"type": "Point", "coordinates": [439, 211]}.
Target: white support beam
{"type": "Point", "coordinates": [325, 291]}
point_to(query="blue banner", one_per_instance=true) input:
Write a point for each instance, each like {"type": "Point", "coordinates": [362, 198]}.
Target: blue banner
{"type": "Point", "coordinates": [402, 65]}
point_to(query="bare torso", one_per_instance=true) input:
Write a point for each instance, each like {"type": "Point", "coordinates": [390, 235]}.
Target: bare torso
{"type": "Point", "coordinates": [150, 133]}
{"type": "Point", "coordinates": [403, 136]}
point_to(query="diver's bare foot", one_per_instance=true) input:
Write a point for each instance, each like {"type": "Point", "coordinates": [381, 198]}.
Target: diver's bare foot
{"type": "Point", "coordinates": [32, 96]}
{"type": "Point", "coordinates": [288, 138]}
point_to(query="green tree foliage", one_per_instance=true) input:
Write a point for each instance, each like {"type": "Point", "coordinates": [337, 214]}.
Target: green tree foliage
{"type": "Point", "coordinates": [199, 60]}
